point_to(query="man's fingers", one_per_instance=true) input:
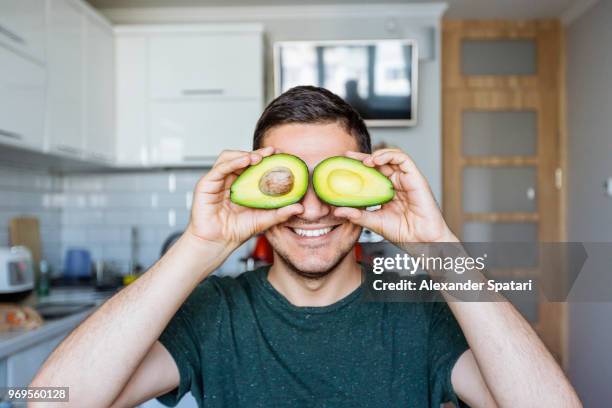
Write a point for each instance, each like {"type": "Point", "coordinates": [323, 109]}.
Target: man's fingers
{"type": "Point", "coordinates": [219, 172]}
{"type": "Point", "coordinates": [398, 158]}
{"type": "Point", "coordinates": [363, 218]}
{"type": "Point", "coordinates": [385, 150]}
{"type": "Point", "coordinates": [356, 155]}
{"type": "Point", "coordinates": [269, 218]}
{"type": "Point", "coordinates": [228, 155]}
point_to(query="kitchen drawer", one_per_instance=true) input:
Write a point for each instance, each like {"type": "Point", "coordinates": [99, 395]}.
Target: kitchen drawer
{"type": "Point", "coordinates": [22, 27]}
{"type": "Point", "coordinates": [204, 66]}
{"type": "Point", "coordinates": [195, 132]}
{"type": "Point", "coordinates": [22, 100]}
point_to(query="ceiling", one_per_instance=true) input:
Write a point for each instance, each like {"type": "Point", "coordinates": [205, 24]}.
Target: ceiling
{"type": "Point", "coordinates": [481, 9]}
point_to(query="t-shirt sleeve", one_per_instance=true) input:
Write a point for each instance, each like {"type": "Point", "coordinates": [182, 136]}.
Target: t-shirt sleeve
{"type": "Point", "coordinates": [446, 344]}
{"type": "Point", "coordinates": [183, 339]}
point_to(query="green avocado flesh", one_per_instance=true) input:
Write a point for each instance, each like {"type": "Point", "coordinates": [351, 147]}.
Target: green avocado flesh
{"type": "Point", "coordinates": [274, 182]}
{"type": "Point", "coordinates": [346, 182]}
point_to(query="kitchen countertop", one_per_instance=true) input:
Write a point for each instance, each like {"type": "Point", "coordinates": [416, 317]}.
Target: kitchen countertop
{"type": "Point", "coordinates": [13, 341]}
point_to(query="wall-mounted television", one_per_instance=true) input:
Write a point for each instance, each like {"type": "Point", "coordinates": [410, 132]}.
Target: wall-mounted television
{"type": "Point", "coordinates": [378, 78]}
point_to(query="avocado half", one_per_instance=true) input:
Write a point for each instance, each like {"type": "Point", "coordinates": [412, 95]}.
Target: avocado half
{"type": "Point", "coordinates": [276, 181]}
{"type": "Point", "coordinates": [346, 182]}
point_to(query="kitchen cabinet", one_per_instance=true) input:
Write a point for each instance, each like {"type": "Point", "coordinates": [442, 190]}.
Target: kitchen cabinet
{"type": "Point", "coordinates": [186, 92]}
{"type": "Point", "coordinates": [205, 64]}
{"type": "Point", "coordinates": [81, 80]}
{"type": "Point", "coordinates": [57, 83]}
{"type": "Point", "coordinates": [22, 100]}
{"type": "Point", "coordinates": [131, 103]}
{"type": "Point", "coordinates": [99, 90]}
{"type": "Point", "coordinates": [22, 27]}
{"type": "Point", "coordinates": [65, 91]}
{"type": "Point", "coordinates": [192, 132]}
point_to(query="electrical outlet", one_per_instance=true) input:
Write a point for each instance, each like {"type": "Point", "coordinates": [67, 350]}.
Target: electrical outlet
{"type": "Point", "coordinates": [608, 187]}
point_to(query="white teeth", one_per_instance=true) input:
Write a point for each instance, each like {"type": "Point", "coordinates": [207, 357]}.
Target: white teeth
{"type": "Point", "coordinates": [312, 233]}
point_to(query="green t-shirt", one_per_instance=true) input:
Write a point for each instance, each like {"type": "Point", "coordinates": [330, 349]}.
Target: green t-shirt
{"type": "Point", "coordinates": [238, 342]}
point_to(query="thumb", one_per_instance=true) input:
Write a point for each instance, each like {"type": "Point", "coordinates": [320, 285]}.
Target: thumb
{"type": "Point", "coordinates": [363, 218]}
{"type": "Point", "coordinates": [269, 218]}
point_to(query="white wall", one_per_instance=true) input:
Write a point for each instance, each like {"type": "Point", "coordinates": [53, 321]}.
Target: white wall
{"type": "Point", "coordinates": [421, 22]}
{"type": "Point", "coordinates": [589, 95]}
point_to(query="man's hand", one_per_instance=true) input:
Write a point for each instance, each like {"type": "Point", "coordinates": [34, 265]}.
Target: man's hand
{"type": "Point", "coordinates": [413, 215]}
{"type": "Point", "coordinates": [215, 219]}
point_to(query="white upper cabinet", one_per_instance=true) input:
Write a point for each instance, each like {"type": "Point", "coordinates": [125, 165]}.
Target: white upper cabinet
{"type": "Point", "coordinates": [65, 91]}
{"type": "Point", "coordinates": [204, 64]}
{"type": "Point", "coordinates": [22, 67]}
{"type": "Point", "coordinates": [189, 92]}
{"type": "Point", "coordinates": [22, 101]}
{"type": "Point", "coordinates": [196, 132]}
{"type": "Point", "coordinates": [99, 91]}
{"type": "Point", "coordinates": [80, 114]}
{"type": "Point", "coordinates": [131, 100]}
{"type": "Point", "coordinates": [57, 82]}
{"type": "Point", "coordinates": [22, 27]}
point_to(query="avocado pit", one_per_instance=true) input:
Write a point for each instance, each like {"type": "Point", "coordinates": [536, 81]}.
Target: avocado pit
{"type": "Point", "coordinates": [277, 181]}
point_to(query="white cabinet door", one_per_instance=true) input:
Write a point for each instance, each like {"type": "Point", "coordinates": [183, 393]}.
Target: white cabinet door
{"type": "Point", "coordinates": [99, 123]}
{"type": "Point", "coordinates": [131, 100]}
{"type": "Point", "coordinates": [23, 365]}
{"type": "Point", "coordinates": [204, 65]}
{"type": "Point", "coordinates": [22, 27]}
{"type": "Point", "coordinates": [65, 92]}
{"type": "Point", "coordinates": [193, 132]}
{"type": "Point", "coordinates": [22, 100]}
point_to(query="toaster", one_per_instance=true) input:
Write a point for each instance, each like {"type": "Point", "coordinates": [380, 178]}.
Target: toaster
{"type": "Point", "coordinates": [16, 270]}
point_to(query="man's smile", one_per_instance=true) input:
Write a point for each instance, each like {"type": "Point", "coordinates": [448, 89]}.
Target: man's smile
{"type": "Point", "coordinates": [312, 232]}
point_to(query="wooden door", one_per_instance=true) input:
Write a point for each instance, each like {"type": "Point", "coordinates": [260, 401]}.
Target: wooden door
{"type": "Point", "coordinates": [502, 94]}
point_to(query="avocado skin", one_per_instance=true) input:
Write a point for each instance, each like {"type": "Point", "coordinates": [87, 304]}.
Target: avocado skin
{"type": "Point", "coordinates": [384, 192]}
{"type": "Point", "coordinates": [300, 173]}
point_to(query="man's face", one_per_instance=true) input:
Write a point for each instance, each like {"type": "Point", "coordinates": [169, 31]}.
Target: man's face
{"type": "Point", "coordinates": [312, 256]}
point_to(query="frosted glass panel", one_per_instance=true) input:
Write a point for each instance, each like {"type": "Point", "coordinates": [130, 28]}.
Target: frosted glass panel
{"type": "Point", "coordinates": [496, 133]}
{"type": "Point", "coordinates": [500, 232]}
{"type": "Point", "coordinates": [499, 189]}
{"type": "Point", "coordinates": [498, 57]}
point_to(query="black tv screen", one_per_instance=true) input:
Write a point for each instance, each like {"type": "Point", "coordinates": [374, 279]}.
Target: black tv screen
{"type": "Point", "coordinates": [378, 78]}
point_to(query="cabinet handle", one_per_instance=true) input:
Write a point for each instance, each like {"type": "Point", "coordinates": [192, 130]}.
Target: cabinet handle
{"type": "Point", "coordinates": [212, 91]}
{"type": "Point", "coordinates": [11, 135]}
{"type": "Point", "coordinates": [67, 149]}
{"type": "Point", "coordinates": [12, 35]}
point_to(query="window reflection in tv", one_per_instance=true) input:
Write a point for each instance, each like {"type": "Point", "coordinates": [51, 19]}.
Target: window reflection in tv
{"type": "Point", "coordinates": [378, 78]}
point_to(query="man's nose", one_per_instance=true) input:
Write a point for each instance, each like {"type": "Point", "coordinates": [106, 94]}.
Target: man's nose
{"type": "Point", "coordinates": [314, 209]}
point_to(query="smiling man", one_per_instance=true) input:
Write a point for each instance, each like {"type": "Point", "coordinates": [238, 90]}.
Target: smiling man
{"type": "Point", "coordinates": [296, 334]}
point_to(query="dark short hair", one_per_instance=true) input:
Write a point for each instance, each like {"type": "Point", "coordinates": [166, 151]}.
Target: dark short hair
{"type": "Point", "coordinates": [311, 104]}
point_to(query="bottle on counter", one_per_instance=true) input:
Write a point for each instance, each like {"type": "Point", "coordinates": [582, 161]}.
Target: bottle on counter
{"type": "Point", "coordinates": [44, 279]}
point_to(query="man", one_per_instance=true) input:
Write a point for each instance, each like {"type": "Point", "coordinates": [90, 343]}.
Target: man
{"type": "Point", "coordinates": [296, 334]}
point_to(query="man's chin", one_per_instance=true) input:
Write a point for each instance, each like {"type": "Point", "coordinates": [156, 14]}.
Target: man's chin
{"type": "Point", "coordinates": [312, 268]}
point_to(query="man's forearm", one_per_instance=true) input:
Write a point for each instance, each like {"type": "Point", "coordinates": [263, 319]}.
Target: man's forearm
{"type": "Point", "coordinates": [515, 364]}
{"type": "Point", "coordinates": [513, 361]}
{"type": "Point", "coordinates": [98, 358]}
